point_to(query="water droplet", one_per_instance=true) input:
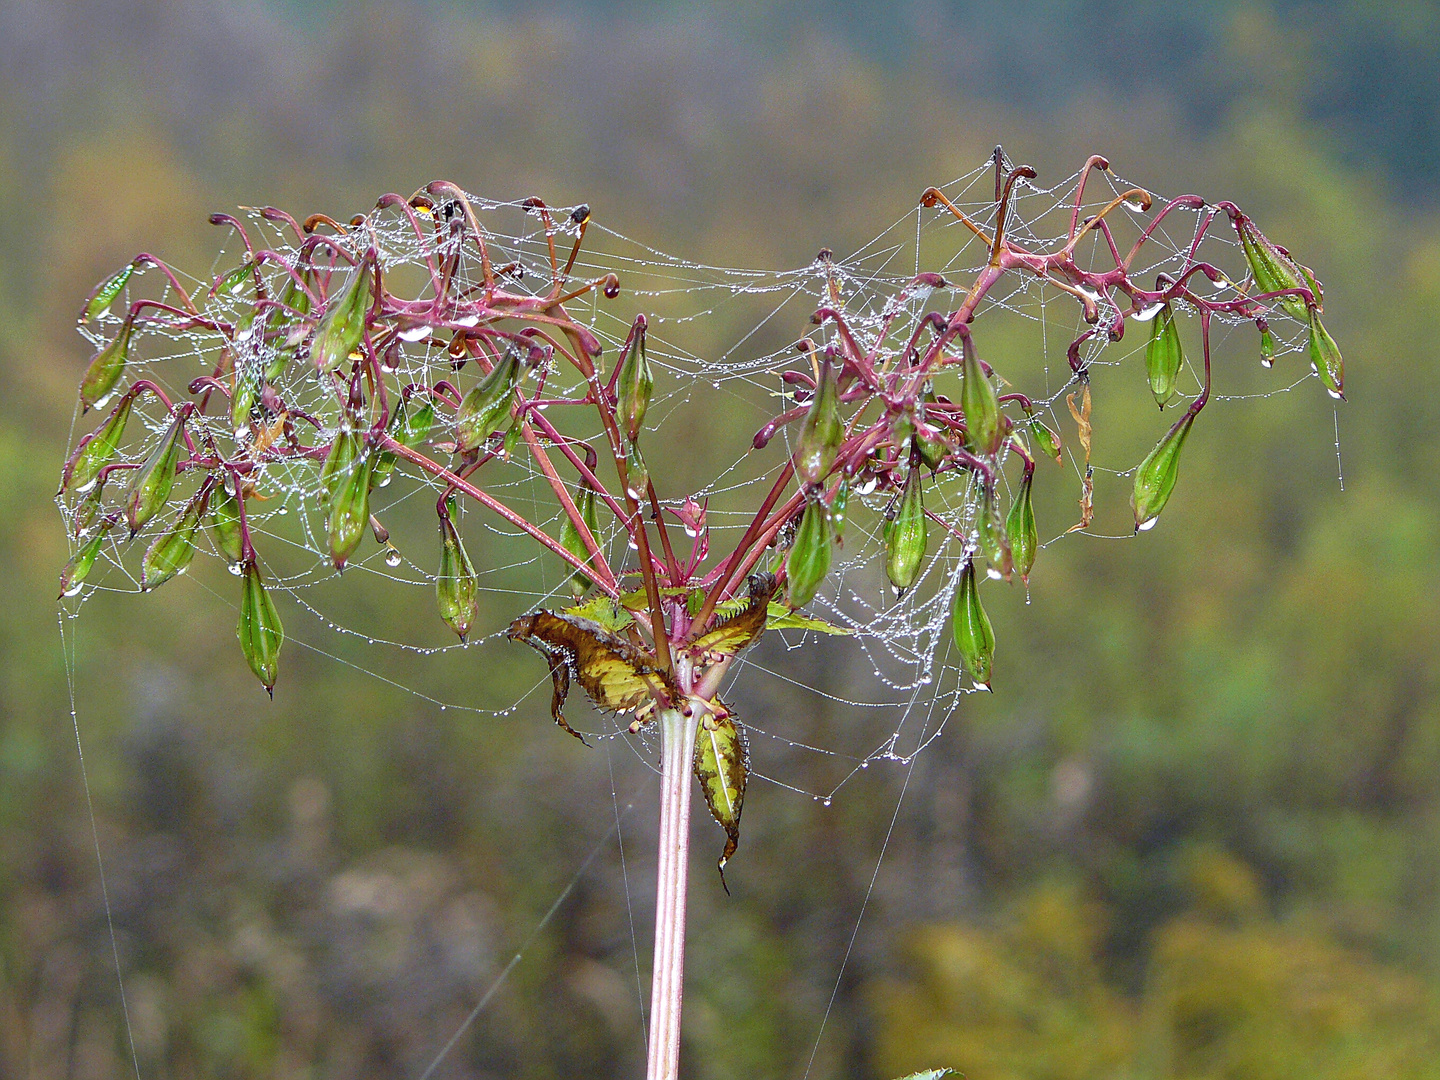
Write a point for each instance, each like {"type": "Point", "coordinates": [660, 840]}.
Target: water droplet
{"type": "Point", "coordinates": [73, 589]}
{"type": "Point", "coordinates": [1267, 362]}
{"type": "Point", "coordinates": [236, 568]}
{"type": "Point", "coordinates": [1335, 394]}
{"type": "Point", "coordinates": [415, 333]}
{"type": "Point", "coordinates": [634, 544]}
{"type": "Point", "coordinates": [1135, 206]}
{"type": "Point", "coordinates": [993, 573]}
{"type": "Point", "coordinates": [392, 557]}
{"type": "Point", "coordinates": [1146, 526]}
{"type": "Point", "coordinates": [385, 480]}
{"type": "Point", "coordinates": [864, 764]}
{"type": "Point", "coordinates": [282, 510]}
{"type": "Point", "coordinates": [825, 801]}
{"type": "Point", "coordinates": [1146, 314]}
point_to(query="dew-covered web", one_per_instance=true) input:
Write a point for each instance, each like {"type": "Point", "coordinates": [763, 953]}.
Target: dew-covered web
{"type": "Point", "coordinates": [721, 340]}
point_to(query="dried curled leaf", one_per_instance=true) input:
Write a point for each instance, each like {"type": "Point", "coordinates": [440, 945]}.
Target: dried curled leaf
{"type": "Point", "coordinates": [722, 765]}
{"type": "Point", "coordinates": [739, 627]}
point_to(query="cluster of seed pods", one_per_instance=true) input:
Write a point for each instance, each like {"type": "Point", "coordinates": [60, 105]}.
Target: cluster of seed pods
{"type": "Point", "coordinates": [866, 416]}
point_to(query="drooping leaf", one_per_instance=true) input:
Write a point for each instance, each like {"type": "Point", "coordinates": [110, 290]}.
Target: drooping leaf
{"type": "Point", "coordinates": [603, 610]}
{"type": "Point", "coordinates": [782, 618]}
{"type": "Point", "coordinates": [722, 765]}
{"type": "Point", "coordinates": [740, 628]}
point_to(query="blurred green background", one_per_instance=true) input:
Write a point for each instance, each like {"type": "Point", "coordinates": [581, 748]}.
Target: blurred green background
{"type": "Point", "coordinates": [1195, 833]}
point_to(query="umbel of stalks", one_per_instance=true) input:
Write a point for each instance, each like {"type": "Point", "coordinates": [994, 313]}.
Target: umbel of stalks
{"type": "Point", "coordinates": [1163, 355]}
{"type": "Point", "coordinates": [259, 629]}
{"type": "Point", "coordinates": [974, 639]}
{"type": "Point", "coordinates": [905, 535]}
{"type": "Point", "coordinates": [822, 431]}
{"type": "Point", "coordinates": [105, 369]}
{"type": "Point", "coordinates": [456, 585]}
{"type": "Point", "coordinates": [572, 540]}
{"type": "Point", "coordinates": [154, 479]}
{"type": "Point", "coordinates": [99, 449]}
{"type": "Point", "coordinates": [342, 327]}
{"type": "Point", "coordinates": [1156, 476]}
{"type": "Point", "coordinates": [808, 562]}
{"type": "Point", "coordinates": [487, 406]}
{"type": "Point", "coordinates": [635, 385]}
{"type": "Point", "coordinates": [979, 403]}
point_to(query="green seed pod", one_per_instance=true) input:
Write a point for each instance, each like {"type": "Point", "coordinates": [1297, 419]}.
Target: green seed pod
{"type": "Point", "coordinates": [1020, 525]}
{"type": "Point", "coordinates": [105, 369]}
{"type": "Point", "coordinates": [87, 508]}
{"type": "Point", "coordinates": [1325, 355]}
{"type": "Point", "coordinates": [808, 562]}
{"type": "Point", "coordinates": [980, 405]}
{"type": "Point", "coordinates": [637, 473]}
{"type": "Point", "coordinates": [1163, 355]}
{"type": "Point", "coordinates": [170, 552]}
{"type": "Point", "coordinates": [342, 326]}
{"type": "Point", "coordinates": [487, 406]}
{"type": "Point", "coordinates": [153, 480]}
{"type": "Point", "coordinates": [105, 293]}
{"type": "Point", "coordinates": [456, 584]}
{"type": "Point", "coordinates": [635, 387]}
{"type": "Point", "coordinates": [1272, 269]}
{"type": "Point", "coordinates": [344, 451]}
{"type": "Point", "coordinates": [233, 282]}
{"type": "Point", "coordinates": [225, 517]}
{"type": "Point", "coordinates": [1045, 439]}
{"type": "Point", "coordinates": [838, 506]}
{"type": "Point", "coordinates": [297, 299]}
{"type": "Point", "coordinates": [259, 629]}
{"type": "Point", "coordinates": [247, 392]}
{"type": "Point", "coordinates": [99, 449]}
{"type": "Point", "coordinates": [73, 576]}
{"type": "Point", "coordinates": [1313, 284]}
{"type": "Point", "coordinates": [1267, 347]}
{"type": "Point", "coordinates": [573, 542]}
{"type": "Point", "coordinates": [822, 430]}
{"type": "Point", "coordinates": [906, 535]}
{"type": "Point", "coordinates": [1156, 476]}
{"type": "Point", "coordinates": [415, 428]}
{"type": "Point", "coordinates": [994, 540]}
{"type": "Point", "coordinates": [974, 639]}
{"type": "Point", "coordinates": [349, 508]}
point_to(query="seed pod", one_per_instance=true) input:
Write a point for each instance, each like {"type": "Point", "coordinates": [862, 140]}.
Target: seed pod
{"type": "Point", "coordinates": [295, 299]}
{"type": "Point", "coordinates": [153, 480]}
{"type": "Point", "coordinates": [349, 508]}
{"type": "Point", "coordinates": [105, 369]}
{"type": "Point", "coordinates": [487, 406]}
{"type": "Point", "coordinates": [1020, 525]}
{"type": "Point", "coordinates": [906, 535]}
{"type": "Point", "coordinates": [456, 584]}
{"type": "Point", "coordinates": [1267, 347]}
{"type": "Point", "coordinates": [637, 473]}
{"type": "Point", "coordinates": [994, 541]}
{"type": "Point", "coordinates": [822, 431]}
{"type": "Point", "coordinates": [259, 629]}
{"type": "Point", "coordinates": [635, 386]}
{"type": "Point", "coordinates": [979, 403]}
{"type": "Point", "coordinates": [808, 563]}
{"type": "Point", "coordinates": [1325, 355]}
{"type": "Point", "coordinates": [838, 506]}
{"type": "Point", "coordinates": [1156, 476]}
{"type": "Point", "coordinates": [233, 282]}
{"type": "Point", "coordinates": [1047, 441]}
{"type": "Point", "coordinates": [572, 540]}
{"type": "Point", "coordinates": [225, 517]}
{"type": "Point", "coordinates": [98, 450]}
{"type": "Point", "coordinates": [1273, 270]}
{"type": "Point", "coordinates": [1163, 355]}
{"type": "Point", "coordinates": [73, 576]}
{"type": "Point", "coordinates": [247, 392]}
{"type": "Point", "coordinates": [170, 552]}
{"type": "Point", "coordinates": [1313, 284]}
{"type": "Point", "coordinates": [87, 508]}
{"type": "Point", "coordinates": [342, 326]}
{"type": "Point", "coordinates": [344, 450]}
{"type": "Point", "coordinates": [974, 639]}
{"type": "Point", "coordinates": [105, 293]}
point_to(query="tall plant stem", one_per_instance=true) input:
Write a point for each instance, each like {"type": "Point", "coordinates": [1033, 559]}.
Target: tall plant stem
{"type": "Point", "coordinates": [677, 733]}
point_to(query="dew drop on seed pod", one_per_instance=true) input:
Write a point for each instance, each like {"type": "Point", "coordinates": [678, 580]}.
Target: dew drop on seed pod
{"type": "Point", "coordinates": [385, 480]}
{"type": "Point", "coordinates": [73, 589]}
{"type": "Point", "coordinates": [1146, 526]}
{"type": "Point", "coordinates": [236, 568]}
{"type": "Point", "coordinates": [467, 320]}
{"type": "Point", "coordinates": [415, 333]}
{"type": "Point", "coordinates": [1335, 394]}
{"type": "Point", "coordinates": [1135, 206]}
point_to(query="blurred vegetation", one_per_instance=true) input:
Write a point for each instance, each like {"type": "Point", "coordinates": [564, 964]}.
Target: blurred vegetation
{"type": "Point", "coordinates": [1194, 833]}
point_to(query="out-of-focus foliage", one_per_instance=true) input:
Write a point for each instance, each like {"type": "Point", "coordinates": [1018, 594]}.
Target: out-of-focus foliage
{"type": "Point", "coordinates": [1222, 739]}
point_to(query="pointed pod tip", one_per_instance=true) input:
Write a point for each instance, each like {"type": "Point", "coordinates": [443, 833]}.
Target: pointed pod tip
{"type": "Point", "coordinates": [271, 691]}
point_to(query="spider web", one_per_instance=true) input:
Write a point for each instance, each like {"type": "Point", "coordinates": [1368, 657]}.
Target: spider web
{"type": "Point", "coordinates": [720, 339]}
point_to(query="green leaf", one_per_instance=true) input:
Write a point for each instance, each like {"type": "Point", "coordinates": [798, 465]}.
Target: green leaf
{"type": "Point", "coordinates": [259, 629]}
{"type": "Point", "coordinates": [722, 765]}
{"type": "Point", "coordinates": [931, 1074]}
{"type": "Point", "coordinates": [572, 540]}
{"type": "Point", "coordinates": [780, 617]}
{"type": "Point", "coordinates": [603, 610]}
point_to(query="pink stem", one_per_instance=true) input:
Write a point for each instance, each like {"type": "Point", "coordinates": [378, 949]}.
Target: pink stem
{"type": "Point", "coordinates": [667, 981]}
